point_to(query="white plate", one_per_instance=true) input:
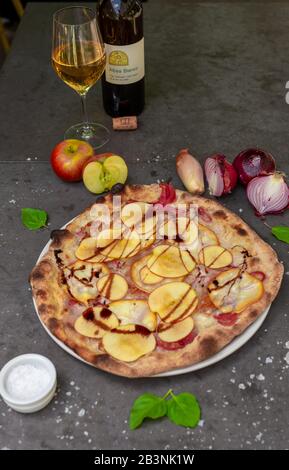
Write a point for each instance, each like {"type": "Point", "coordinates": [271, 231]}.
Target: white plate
{"type": "Point", "coordinates": [237, 343]}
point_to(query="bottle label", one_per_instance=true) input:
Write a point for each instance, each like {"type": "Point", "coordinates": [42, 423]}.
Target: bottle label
{"type": "Point", "coordinates": [124, 64]}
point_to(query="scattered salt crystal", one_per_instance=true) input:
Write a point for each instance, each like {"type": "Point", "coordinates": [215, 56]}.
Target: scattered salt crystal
{"type": "Point", "coordinates": [27, 381]}
{"type": "Point", "coordinates": [68, 394]}
{"type": "Point", "coordinates": [201, 422]}
{"type": "Point", "coordinates": [12, 201]}
{"type": "Point", "coordinates": [287, 345]}
{"type": "Point", "coordinates": [72, 383]}
{"type": "Point", "coordinates": [268, 360]}
{"type": "Point", "coordinates": [260, 377]}
{"type": "Point", "coordinates": [252, 376]}
{"type": "Point", "coordinates": [81, 412]}
{"type": "Point", "coordinates": [242, 386]}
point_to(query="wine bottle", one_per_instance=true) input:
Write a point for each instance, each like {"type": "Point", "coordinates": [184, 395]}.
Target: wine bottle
{"type": "Point", "coordinates": [121, 25]}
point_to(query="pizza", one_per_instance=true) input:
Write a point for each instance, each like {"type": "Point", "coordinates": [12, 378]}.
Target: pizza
{"type": "Point", "coordinates": [143, 296]}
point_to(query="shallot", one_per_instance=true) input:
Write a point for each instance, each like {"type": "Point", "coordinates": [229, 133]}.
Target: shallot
{"type": "Point", "coordinates": [268, 194]}
{"type": "Point", "coordinates": [190, 171]}
{"type": "Point", "coordinates": [221, 175]}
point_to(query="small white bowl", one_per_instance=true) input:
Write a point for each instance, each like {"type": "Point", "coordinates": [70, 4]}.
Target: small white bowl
{"type": "Point", "coordinates": [38, 402]}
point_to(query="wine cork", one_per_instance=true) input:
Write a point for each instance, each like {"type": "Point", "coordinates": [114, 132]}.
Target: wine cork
{"type": "Point", "coordinates": [125, 123]}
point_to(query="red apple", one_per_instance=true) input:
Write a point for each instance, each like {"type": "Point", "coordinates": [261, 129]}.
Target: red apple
{"type": "Point", "coordinates": [69, 157]}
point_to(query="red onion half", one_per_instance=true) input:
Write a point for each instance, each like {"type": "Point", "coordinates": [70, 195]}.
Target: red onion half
{"type": "Point", "coordinates": [253, 162]}
{"type": "Point", "coordinates": [221, 175]}
{"type": "Point", "coordinates": [268, 194]}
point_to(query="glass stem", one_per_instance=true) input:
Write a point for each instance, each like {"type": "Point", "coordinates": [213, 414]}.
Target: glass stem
{"type": "Point", "coordinates": [84, 110]}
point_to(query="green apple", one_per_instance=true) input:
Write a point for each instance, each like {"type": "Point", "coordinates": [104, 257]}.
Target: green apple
{"type": "Point", "coordinates": [101, 175]}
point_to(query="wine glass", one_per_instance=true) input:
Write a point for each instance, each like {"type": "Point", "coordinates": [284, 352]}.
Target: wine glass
{"type": "Point", "coordinates": [78, 57]}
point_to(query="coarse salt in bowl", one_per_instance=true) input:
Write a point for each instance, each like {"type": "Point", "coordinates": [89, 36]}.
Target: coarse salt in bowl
{"type": "Point", "coordinates": [28, 382]}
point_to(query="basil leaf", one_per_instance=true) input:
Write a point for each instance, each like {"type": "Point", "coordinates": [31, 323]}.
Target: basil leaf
{"type": "Point", "coordinates": [33, 219]}
{"type": "Point", "coordinates": [147, 405]}
{"type": "Point", "coordinates": [281, 232]}
{"type": "Point", "coordinates": [184, 410]}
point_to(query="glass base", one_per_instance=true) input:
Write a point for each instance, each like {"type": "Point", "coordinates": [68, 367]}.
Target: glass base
{"type": "Point", "coordinates": [95, 134]}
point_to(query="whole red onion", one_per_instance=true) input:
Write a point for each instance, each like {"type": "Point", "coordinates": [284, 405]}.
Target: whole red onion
{"type": "Point", "coordinates": [268, 194]}
{"type": "Point", "coordinates": [221, 175]}
{"type": "Point", "coordinates": [253, 162]}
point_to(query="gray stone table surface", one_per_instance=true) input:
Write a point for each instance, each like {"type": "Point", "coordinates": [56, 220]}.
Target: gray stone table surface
{"type": "Point", "coordinates": [216, 75]}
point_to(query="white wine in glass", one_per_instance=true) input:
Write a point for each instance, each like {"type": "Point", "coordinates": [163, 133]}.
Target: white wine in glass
{"type": "Point", "coordinates": [78, 57]}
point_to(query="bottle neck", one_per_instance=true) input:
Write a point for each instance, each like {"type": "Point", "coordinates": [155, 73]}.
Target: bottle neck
{"type": "Point", "coordinates": [123, 29]}
{"type": "Point", "coordinates": [116, 9]}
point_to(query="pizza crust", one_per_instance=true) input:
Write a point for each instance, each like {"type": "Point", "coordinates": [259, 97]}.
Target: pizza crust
{"type": "Point", "coordinates": [52, 297]}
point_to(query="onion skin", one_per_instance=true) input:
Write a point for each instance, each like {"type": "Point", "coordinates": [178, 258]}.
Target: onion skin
{"type": "Point", "coordinates": [251, 163]}
{"type": "Point", "coordinates": [268, 194]}
{"type": "Point", "coordinates": [190, 172]}
{"type": "Point", "coordinates": [221, 175]}
{"type": "Point", "coordinates": [168, 194]}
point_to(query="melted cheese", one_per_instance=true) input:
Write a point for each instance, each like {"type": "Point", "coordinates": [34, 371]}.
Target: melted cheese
{"type": "Point", "coordinates": [203, 322]}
